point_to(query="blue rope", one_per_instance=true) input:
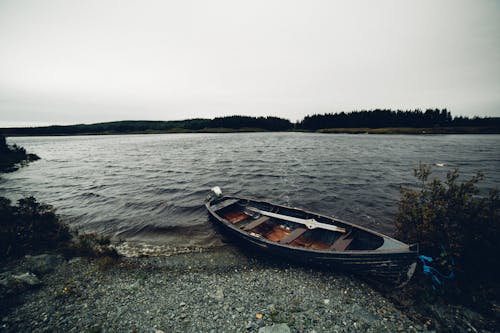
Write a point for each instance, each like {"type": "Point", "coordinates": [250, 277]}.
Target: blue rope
{"type": "Point", "coordinates": [434, 273]}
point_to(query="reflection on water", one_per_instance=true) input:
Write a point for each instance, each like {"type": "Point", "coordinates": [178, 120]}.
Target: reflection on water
{"type": "Point", "coordinates": [151, 187]}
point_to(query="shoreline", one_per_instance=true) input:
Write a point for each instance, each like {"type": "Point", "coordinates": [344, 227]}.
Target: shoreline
{"type": "Point", "coordinates": [354, 130]}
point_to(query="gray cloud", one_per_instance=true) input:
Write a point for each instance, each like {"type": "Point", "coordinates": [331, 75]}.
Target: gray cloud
{"type": "Point", "coordinates": [90, 61]}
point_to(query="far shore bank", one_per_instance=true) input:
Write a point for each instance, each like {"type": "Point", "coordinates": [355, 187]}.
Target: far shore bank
{"type": "Point", "coordinates": [354, 130]}
{"type": "Point", "coordinates": [378, 121]}
{"type": "Point", "coordinates": [413, 130]}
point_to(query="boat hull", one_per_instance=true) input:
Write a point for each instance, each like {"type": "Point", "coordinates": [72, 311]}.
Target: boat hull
{"type": "Point", "coordinates": [394, 266]}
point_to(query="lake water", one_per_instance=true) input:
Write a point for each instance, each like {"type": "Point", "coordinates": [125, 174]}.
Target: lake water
{"type": "Point", "coordinates": [151, 188]}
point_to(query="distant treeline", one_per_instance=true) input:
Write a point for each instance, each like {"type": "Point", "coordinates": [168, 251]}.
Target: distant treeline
{"type": "Point", "coordinates": [357, 119]}
{"type": "Point", "coordinates": [131, 126]}
{"type": "Point", "coordinates": [389, 118]}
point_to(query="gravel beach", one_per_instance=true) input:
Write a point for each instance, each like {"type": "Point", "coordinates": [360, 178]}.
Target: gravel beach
{"type": "Point", "coordinates": [219, 290]}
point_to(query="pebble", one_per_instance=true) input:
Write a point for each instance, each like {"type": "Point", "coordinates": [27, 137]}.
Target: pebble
{"type": "Point", "coordinates": [222, 292]}
{"type": "Point", "coordinates": [218, 294]}
{"type": "Point", "coordinates": [43, 263]}
{"type": "Point", "coordinates": [277, 328]}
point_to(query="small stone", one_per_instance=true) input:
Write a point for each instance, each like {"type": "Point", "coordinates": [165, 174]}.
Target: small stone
{"type": "Point", "coordinates": [326, 301]}
{"type": "Point", "coordinates": [218, 294]}
{"type": "Point", "coordinates": [182, 304]}
{"type": "Point", "coordinates": [276, 328]}
{"type": "Point", "coordinates": [29, 279]}
{"type": "Point", "coordinates": [75, 260]}
{"type": "Point", "coordinates": [42, 263]}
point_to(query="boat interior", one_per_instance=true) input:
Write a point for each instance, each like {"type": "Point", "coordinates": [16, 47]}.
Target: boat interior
{"type": "Point", "coordinates": [285, 226]}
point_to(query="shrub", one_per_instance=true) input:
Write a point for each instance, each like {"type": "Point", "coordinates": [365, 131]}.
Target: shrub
{"type": "Point", "coordinates": [12, 155]}
{"type": "Point", "coordinates": [454, 224]}
{"type": "Point", "coordinates": [32, 227]}
{"type": "Point", "coordinates": [90, 245]}
{"type": "Point", "coordinates": [29, 227]}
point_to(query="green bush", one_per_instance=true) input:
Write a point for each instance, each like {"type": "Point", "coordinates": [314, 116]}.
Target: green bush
{"type": "Point", "coordinates": [90, 245]}
{"type": "Point", "coordinates": [455, 225]}
{"type": "Point", "coordinates": [29, 227]}
{"type": "Point", "coordinates": [33, 227]}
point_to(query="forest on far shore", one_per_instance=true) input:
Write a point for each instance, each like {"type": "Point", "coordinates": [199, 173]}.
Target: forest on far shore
{"type": "Point", "coordinates": [389, 118]}
{"type": "Point", "coordinates": [370, 119]}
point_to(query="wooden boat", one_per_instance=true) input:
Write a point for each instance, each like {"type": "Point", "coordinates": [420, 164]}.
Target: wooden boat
{"type": "Point", "coordinates": [312, 238]}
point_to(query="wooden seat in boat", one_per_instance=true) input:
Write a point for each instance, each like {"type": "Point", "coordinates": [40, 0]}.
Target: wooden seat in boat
{"type": "Point", "coordinates": [342, 242]}
{"type": "Point", "coordinates": [293, 235]}
{"type": "Point", "coordinates": [235, 216]}
{"type": "Point", "coordinates": [308, 243]}
{"type": "Point", "coordinates": [276, 233]}
{"type": "Point", "coordinates": [256, 223]}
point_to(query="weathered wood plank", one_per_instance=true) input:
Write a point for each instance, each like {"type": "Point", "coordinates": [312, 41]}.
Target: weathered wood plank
{"type": "Point", "coordinates": [293, 235]}
{"type": "Point", "coordinates": [256, 223]}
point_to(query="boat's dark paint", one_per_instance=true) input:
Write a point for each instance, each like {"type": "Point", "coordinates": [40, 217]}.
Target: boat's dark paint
{"type": "Point", "coordinates": [394, 265]}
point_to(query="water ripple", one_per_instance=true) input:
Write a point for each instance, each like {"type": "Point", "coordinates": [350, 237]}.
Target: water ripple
{"type": "Point", "coordinates": [151, 187]}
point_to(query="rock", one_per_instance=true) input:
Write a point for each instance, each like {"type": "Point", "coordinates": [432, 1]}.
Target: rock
{"type": "Point", "coordinates": [326, 301]}
{"type": "Point", "coordinates": [12, 283]}
{"type": "Point", "coordinates": [75, 260]}
{"type": "Point", "coordinates": [364, 314]}
{"type": "Point", "coordinates": [458, 319]}
{"type": "Point", "coordinates": [471, 316]}
{"type": "Point", "coordinates": [132, 286]}
{"type": "Point", "coordinates": [218, 294]}
{"type": "Point", "coordinates": [29, 279]}
{"type": "Point", "coordinates": [276, 328]}
{"type": "Point", "coordinates": [43, 263]}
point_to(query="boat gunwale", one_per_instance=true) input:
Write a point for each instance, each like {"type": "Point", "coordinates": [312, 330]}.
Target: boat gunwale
{"type": "Point", "coordinates": [405, 248]}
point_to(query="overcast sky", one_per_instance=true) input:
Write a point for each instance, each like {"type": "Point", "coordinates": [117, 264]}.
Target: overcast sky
{"type": "Point", "coordinates": [64, 62]}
